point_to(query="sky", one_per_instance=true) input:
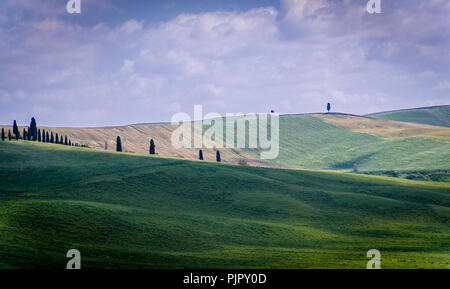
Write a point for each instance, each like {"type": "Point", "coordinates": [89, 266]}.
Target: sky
{"type": "Point", "coordinates": [121, 62]}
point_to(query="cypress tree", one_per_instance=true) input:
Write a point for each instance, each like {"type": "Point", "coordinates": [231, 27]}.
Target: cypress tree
{"type": "Point", "coordinates": [200, 155]}
{"type": "Point", "coordinates": [9, 135]}
{"type": "Point", "coordinates": [15, 128]}
{"type": "Point", "coordinates": [119, 144]}
{"type": "Point", "coordinates": [33, 129]}
{"type": "Point", "coordinates": [52, 140]}
{"type": "Point", "coordinates": [152, 147]}
{"type": "Point", "coordinates": [29, 136]}
{"type": "Point", "coordinates": [43, 135]}
{"type": "Point", "coordinates": [70, 143]}
{"type": "Point", "coordinates": [218, 157]}
{"type": "Point", "coordinates": [61, 140]}
{"type": "Point", "coordinates": [56, 138]}
{"type": "Point", "coordinates": [3, 134]}
{"type": "Point", "coordinates": [25, 134]}
{"type": "Point", "coordinates": [65, 141]}
{"type": "Point", "coordinates": [17, 134]}
{"type": "Point", "coordinates": [39, 136]}
{"type": "Point", "coordinates": [47, 138]}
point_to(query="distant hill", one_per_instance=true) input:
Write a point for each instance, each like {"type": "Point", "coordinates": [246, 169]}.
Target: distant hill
{"type": "Point", "coordinates": [436, 115]}
{"type": "Point", "coordinates": [314, 141]}
{"type": "Point", "coordinates": [326, 141]}
{"type": "Point", "coordinates": [128, 211]}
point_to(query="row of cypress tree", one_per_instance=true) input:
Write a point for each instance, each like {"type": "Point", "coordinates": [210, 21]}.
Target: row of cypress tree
{"type": "Point", "coordinates": [218, 158]}
{"type": "Point", "coordinates": [152, 149]}
{"type": "Point", "coordinates": [35, 134]}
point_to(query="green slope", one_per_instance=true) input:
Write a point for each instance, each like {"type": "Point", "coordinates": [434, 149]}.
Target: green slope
{"type": "Point", "coordinates": [310, 142]}
{"type": "Point", "coordinates": [437, 115]}
{"type": "Point", "coordinates": [128, 211]}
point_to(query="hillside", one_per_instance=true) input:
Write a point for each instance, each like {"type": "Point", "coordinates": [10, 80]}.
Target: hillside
{"type": "Point", "coordinates": [131, 211]}
{"type": "Point", "coordinates": [311, 142]}
{"type": "Point", "coordinates": [437, 115]}
{"type": "Point", "coordinates": [329, 141]}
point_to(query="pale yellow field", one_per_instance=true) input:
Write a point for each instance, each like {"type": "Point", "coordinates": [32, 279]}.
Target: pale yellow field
{"type": "Point", "coordinates": [386, 128]}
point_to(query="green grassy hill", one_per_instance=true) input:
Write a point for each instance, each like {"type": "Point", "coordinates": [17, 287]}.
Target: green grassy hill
{"type": "Point", "coordinates": [130, 211]}
{"type": "Point", "coordinates": [437, 115]}
{"type": "Point", "coordinates": [330, 141]}
{"type": "Point", "coordinates": [310, 142]}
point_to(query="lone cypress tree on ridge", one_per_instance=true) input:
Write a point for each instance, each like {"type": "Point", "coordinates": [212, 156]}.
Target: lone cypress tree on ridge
{"type": "Point", "coordinates": [328, 107]}
{"type": "Point", "coordinates": [152, 147]}
{"type": "Point", "coordinates": [118, 144]}
{"type": "Point", "coordinates": [200, 155]}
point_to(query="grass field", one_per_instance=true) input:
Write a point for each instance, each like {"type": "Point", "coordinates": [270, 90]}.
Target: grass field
{"type": "Point", "coordinates": [131, 211]}
{"type": "Point", "coordinates": [311, 142]}
{"type": "Point", "coordinates": [437, 115]}
{"type": "Point", "coordinates": [330, 141]}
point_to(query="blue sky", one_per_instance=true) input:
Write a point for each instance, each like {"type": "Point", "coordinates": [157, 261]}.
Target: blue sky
{"type": "Point", "coordinates": [122, 62]}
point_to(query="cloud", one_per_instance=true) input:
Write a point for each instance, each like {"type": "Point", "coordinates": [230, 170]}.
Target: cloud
{"type": "Point", "coordinates": [442, 85]}
{"type": "Point", "coordinates": [295, 59]}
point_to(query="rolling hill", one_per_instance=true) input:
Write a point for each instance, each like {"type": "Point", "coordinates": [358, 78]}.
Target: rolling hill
{"type": "Point", "coordinates": [436, 115]}
{"type": "Point", "coordinates": [319, 141]}
{"type": "Point", "coordinates": [309, 141]}
{"type": "Point", "coordinates": [131, 211]}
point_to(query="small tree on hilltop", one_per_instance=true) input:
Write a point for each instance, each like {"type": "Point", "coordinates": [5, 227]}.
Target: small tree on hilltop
{"type": "Point", "coordinates": [218, 159]}
{"type": "Point", "coordinates": [328, 107]}
{"type": "Point", "coordinates": [118, 144]}
{"type": "Point", "coordinates": [152, 147]}
{"type": "Point", "coordinates": [200, 155]}
{"type": "Point", "coordinates": [3, 134]}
